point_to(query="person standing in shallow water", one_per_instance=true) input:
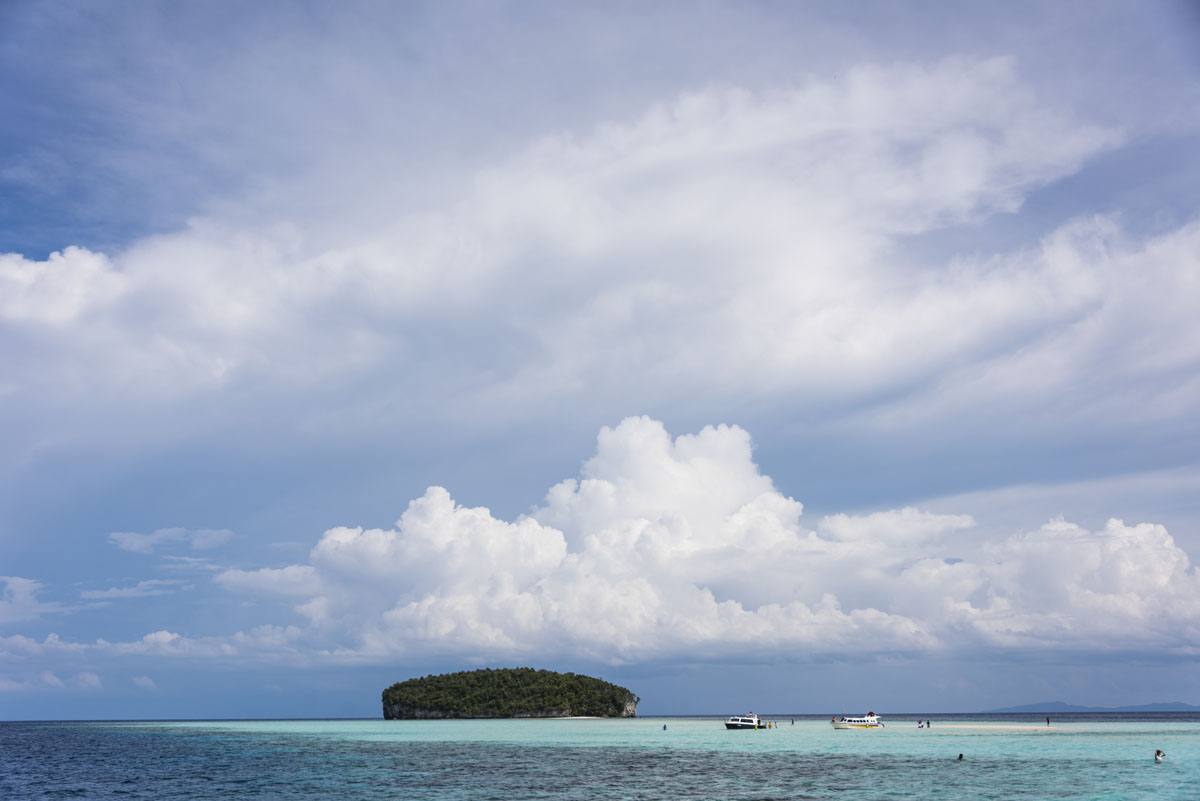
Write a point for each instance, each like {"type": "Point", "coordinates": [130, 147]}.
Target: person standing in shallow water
{"type": "Point", "coordinates": [1047, 721]}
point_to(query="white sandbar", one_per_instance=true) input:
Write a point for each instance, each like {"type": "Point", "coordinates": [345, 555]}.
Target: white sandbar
{"type": "Point", "coordinates": [991, 727]}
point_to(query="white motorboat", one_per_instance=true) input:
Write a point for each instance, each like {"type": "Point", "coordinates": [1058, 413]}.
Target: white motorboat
{"type": "Point", "coordinates": [746, 721]}
{"type": "Point", "coordinates": [867, 721]}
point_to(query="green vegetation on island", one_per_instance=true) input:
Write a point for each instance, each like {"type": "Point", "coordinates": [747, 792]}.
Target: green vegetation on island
{"type": "Point", "coordinates": [507, 693]}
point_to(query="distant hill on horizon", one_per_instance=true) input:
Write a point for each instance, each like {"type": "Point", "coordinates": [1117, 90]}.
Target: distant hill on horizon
{"type": "Point", "coordinates": [1062, 706]}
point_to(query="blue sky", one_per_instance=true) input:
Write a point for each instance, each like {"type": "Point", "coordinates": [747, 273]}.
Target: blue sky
{"type": "Point", "coordinates": [797, 357]}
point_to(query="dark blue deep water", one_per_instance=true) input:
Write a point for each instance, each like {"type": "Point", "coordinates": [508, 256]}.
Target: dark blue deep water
{"type": "Point", "coordinates": [1088, 758]}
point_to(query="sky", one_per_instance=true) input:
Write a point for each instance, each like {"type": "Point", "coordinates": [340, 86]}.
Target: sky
{"type": "Point", "coordinates": [803, 357]}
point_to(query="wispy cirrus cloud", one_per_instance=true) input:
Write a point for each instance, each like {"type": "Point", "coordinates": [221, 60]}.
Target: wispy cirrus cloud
{"type": "Point", "coordinates": [187, 564]}
{"type": "Point", "coordinates": [48, 680]}
{"type": "Point", "coordinates": [144, 683]}
{"type": "Point", "coordinates": [257, 644]}
{"type": "Point", "coordinates": [197, 539]}
{"type": "Point", "coordinates": [142, 589]}
{"type": "Point", "coordinates": [20, 602]}
{"type": "Point", "coordinates": [293, 580]}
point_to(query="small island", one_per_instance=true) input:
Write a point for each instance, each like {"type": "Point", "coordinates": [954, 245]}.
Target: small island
{"type": "Point", "coordinates": [507, 693]}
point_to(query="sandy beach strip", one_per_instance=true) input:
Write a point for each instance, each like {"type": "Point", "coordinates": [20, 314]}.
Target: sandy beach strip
{"type": "Point", "coordinates": [992, 727]}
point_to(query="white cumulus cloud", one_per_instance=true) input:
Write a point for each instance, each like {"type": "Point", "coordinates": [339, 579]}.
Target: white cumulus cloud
{"type": "Point", "coordinates": [679, 547]}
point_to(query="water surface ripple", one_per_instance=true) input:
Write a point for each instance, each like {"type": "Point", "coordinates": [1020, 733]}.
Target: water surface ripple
{"type": "Point", "coordinates": [599, 759]}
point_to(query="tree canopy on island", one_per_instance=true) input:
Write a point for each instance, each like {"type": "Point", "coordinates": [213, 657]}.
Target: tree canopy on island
{"type": "Point", "coordinates": [507, 693]}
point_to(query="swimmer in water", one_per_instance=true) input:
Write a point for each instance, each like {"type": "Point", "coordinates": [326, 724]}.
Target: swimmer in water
{"type": "Point", "coordinates": [960, 759]}
{"type": "Point", "coordinates": [1159, 755]}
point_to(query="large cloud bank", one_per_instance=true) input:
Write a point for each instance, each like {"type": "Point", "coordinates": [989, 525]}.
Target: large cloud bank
{"type": "Point", "coordinates": [774, 250]}
{"type": "Point", "coordinates": [666, 548]}
{"type": "Point", "coordinates": [725, 244]}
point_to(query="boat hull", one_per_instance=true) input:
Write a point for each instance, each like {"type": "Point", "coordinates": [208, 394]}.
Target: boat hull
{"type": "Point", "coordinates": [743, 726]}
{"type": "Point", "coordinates": [858, 725]}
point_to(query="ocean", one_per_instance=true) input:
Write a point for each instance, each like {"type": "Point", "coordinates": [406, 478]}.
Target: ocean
{"type": "Point", "coordinates": [1004, 757]}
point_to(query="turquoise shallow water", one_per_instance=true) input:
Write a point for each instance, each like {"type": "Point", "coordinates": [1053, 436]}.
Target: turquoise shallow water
{"type": "Point", "coordinates": [600, 759]}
